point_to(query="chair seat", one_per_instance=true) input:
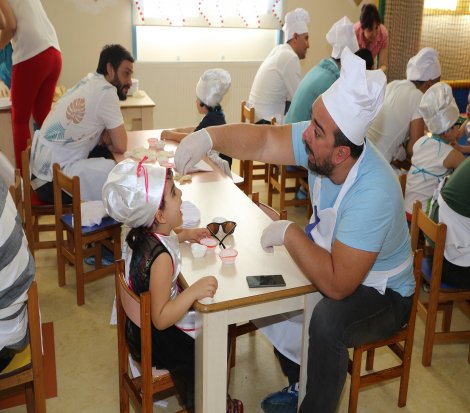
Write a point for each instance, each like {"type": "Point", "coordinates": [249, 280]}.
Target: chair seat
{"type": "Point", "coordinates": [106, 222]}
{"type": "Point", "coordinates": [21, 361]}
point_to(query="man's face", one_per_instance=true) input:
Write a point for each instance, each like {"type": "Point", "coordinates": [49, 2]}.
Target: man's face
{"type": "Point", "coordinates": [319, 140]}
{"type": "Point", "coordinates": [301, 45]}
{"type": "Point", "coordinates": [122, 78]}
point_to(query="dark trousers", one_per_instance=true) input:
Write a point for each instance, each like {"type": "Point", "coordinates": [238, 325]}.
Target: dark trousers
{"type": "Point", "coordinates": [455, 275]}
{"type": "Point", "coordinates": [363, 317]}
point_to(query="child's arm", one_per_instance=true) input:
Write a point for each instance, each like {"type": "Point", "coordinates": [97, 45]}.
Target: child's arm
{"type": "Point", "coordinates": [454, 159]}
{"type": "Point", "coordinates": [177, 134]}
{"type": "Point", "coordinates": [166, 312]}
{"type": "Point", "coordinates": [192, 234]}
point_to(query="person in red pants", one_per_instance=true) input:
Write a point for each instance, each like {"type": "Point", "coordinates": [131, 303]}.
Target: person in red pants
{"type": "Point", "coordinates": [37, 63]}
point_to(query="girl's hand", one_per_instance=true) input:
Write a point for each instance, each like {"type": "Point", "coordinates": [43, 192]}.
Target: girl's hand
{"type": "Point", "coordinates": [204, 287]}
{"type": "Point", "coordinates": [193, 234]}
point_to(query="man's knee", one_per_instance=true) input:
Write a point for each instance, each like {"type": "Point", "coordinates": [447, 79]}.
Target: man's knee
{"type": "Point", "coordinates": [326, 319]}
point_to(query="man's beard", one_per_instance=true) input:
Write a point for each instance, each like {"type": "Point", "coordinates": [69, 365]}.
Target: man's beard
{"type": "Point", "coordinates": [325, 169]}
{"type": "Point", "coordinates": [120, 87]}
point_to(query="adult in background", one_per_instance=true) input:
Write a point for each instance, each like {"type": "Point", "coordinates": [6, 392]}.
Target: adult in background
{"type": "Point", "coordinates": [16, 275]}
{"type": "Point", "coordinates": [320, 77]}
{"type": "Point", "coordinates": [87, 117]}
{"type": "Point", "coordinates": [399, 123]}
{"type": "Point", "coordinates": [279, 75]}
{"type": "Point", "coordinates": [453, 209]}
{"type": "Point", "coordinates": [37, 63]}
{"type": "Point", "coordinates": [355, 251]}
{"type": "Point", "coordinates": [373, 35]}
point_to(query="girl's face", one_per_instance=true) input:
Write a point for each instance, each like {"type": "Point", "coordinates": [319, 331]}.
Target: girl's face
{"type": "Point", "coordinates": [369, 34]}
{"type": "Point", "coordinates": [200, 108]}
{"type": "Point", "coordinates": [172, 212]}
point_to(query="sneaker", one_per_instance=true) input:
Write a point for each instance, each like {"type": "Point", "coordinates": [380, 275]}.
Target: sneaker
{"type": "Point", "coordinates": [284, 401]}
{"type": "Point", "coordinates": [107, 258]}
{"type": "Point", "coordinates": [300, 194]}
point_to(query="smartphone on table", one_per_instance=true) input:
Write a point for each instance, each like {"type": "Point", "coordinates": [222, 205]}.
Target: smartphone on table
{"type": "Point", "coordinates": [259, 281]}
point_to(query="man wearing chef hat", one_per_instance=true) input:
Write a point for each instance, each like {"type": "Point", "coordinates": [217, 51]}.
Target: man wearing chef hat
{"type": "Point", "coordinates": [279, 75]}
{"type": "Point", "coordinates": [356, 249]}
{"type": "Point", "coordinates": [399, 124]}
{"type": "Point", "coordinates": [320, 77]}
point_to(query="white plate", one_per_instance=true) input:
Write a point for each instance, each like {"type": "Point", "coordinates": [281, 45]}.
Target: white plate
{"type": "Point", "coordinates": [5, 103]}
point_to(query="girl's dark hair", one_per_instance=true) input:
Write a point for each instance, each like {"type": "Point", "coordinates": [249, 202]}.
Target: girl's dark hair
{"type": "Point", "coordinates": [369, 16]}
{"type": "Point", "coordinates": [137, 236]}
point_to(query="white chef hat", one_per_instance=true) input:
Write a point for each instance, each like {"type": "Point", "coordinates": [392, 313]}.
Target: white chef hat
{"type": "Point", "coordinates": [341, 35]}
{"type": "Point", "coordinates": [356, 97]}
{"type": "Point", "coordinates": [295, 22]}
{"type": "Point", "coordinates": [212, 86]}
{"type": "Point", "coordinates": [438, 108]}
{"type": "Point", "coordinates": [424, 65]}
{"type": "Point", "coordinates": [133, 192]}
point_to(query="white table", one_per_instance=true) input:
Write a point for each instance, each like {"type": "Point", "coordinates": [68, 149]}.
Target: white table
{"type": "Point", "coordinates": [234, 302]}
{"type": "Point", "coordinates": [217, 196]}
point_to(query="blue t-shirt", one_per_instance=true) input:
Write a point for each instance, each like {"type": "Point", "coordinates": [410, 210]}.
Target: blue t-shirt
{"type": "Point", "coordinates": [371, 216]}
{"type": "Point", "coordinates": [317, 80]}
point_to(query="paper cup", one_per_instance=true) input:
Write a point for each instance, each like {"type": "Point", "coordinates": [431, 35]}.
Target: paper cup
{"type": "Point", "coordinates": [228, 256]}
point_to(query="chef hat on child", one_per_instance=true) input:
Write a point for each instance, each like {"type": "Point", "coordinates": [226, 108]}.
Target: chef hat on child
{"type": "Point", "coordinates": [438, 108]}
{"type": "Point", "coordinates": [133, 192]}
{"type": "Point", "coordinates": [356, 97]}
{"type": "Point", "coordinates": [212, 86]}
{"type": "Point", "coordinates": [295, 22]}
{"type": "Point", "coordinates": [424, 65]}
{"type": "Point", "coordinates": [341, 35]}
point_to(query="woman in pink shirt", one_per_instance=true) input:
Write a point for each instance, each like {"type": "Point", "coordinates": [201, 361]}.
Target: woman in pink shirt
{"type": "Point", "coordinates": [372, 34]}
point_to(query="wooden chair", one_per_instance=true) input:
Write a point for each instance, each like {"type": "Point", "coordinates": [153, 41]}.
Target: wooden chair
{"type": "Point", "coordinates": [34, 210]}
{"type": "Point", "coordinates": [403, 351]}
{"type": "Point", "coordinates": [248, 168]}
{"type": "Point", "coordinates": [26, 369]}
{"type": "Point", "coordinates": [81, 242]}
{"type": "Point", "coordinates": [16, 192]}
{"type": "Point", "coordinates": [140, 390]}
{"type": "Point", "coordinates": [235, 330]}
{"type": "Point", "coordinates": [402, 180]}
{"type": "Point", "coordinates": [441, 296]}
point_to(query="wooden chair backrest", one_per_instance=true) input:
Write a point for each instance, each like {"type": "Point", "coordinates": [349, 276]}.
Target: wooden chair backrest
{"type": "Point", "coordinates": [420, 222]}
{"type": "Point", "coordinates": [247, 113]}
{"type": "Point", "coordinates": [71, 185]}
{"type": "Point", "coordinates": [16, 192]}
{"type": "Point", "coordinates": [269, 211]}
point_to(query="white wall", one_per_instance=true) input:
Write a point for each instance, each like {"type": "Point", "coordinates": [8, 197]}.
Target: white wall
{"type": "Point", "coordinates": [82, 34]}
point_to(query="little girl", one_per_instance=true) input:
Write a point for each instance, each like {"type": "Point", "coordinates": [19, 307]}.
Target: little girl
{"type": "Point", "coordinates": [433, 154]}
{"type": "Point", "coordinates": [144, 197]}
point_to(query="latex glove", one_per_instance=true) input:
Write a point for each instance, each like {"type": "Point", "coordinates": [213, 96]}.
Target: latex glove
{"type": "Point", "coordinates": [4, 91]}
{"type": "Point", "coordinates": [191, 150]}
{"type": "Point", "coordinates": [221, 163]}
{"type": "Point", "coordinates": [273, 234]}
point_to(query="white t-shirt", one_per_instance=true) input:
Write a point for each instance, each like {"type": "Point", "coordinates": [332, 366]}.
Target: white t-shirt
{"type": "Point", "coordinates": [275, 83]}
{"type": "Point", "coordinates": [427, 169]}
{"type": "Point", "coordinates": [391, 127]}
{"type": "Point", "coordinates": [74, 126]}
{"type": "Point", "coordinates": [34, 31]}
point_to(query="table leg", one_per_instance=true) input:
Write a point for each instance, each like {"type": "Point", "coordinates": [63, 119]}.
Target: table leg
{"type": "Point", "coordinates": [211, 362]}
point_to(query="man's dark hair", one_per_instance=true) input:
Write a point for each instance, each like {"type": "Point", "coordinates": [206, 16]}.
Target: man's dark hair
{"type": "Point", "coordinates": [365, 54]}
{"type": "Point", "coordinates": [341, 140]}
{"type": "Point", "coordinates": [114, 54]}
{"type": "Point", "coordinates": [369, 16]}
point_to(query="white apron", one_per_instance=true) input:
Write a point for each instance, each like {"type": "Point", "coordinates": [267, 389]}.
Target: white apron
{"type": "Point", "coordinates": [321, 229]}
{"type": "Point", "coordinates": [171, 243]}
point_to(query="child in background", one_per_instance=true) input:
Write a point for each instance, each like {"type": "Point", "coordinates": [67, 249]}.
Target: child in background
{"type": "Point", "coordinates": [145, 198]}
{"type": "Point", "coordinates": [433, 155]}
{"type": "Point", "coordinates": [210, 90]}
